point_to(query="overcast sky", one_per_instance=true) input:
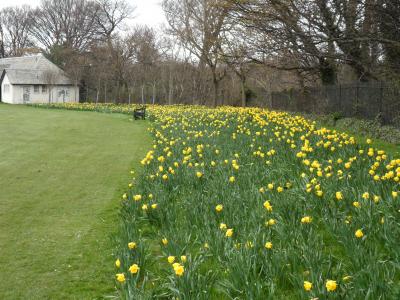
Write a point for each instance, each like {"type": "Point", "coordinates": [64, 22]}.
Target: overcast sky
{"type": "Point", "coordinates": [147, 11]}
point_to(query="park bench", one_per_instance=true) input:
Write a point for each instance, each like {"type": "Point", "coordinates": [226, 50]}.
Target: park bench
{"type": "Point", "coordinates": [139, 113]}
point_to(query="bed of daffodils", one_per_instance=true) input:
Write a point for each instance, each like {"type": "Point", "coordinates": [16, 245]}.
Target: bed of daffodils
{"type": "Point", "coordinates": [236, 203]}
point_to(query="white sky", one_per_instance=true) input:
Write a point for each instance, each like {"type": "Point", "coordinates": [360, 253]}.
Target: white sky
{"type": "Point", "coordinates": [147, 12]}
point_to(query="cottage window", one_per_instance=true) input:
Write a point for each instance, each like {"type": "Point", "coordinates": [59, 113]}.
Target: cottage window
{"type": "Point", "coordinates": [36, 89]}
{"type": "Point", "coordinates": [6, 88]}
{"type": "Point", "coordinates": [44, 89]}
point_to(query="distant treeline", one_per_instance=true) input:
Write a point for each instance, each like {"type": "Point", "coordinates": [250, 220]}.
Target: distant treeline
{"type": "Point", "coordinates": [210, 52]}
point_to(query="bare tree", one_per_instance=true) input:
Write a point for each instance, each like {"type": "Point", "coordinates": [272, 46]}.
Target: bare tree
{"type": "Point", "coordinates": [199, 24]}
{"type": "Point", "coordinates": [111, 14]}
{"type": "Point", "coordinates": [16, 22]}
{"type": "Point", "coordinates": [50, 78]}
{"type": "Point", "coordinates": [2, 37]}
{"type": "Point", "coordinates": [236, 53]}
{"type": "Point", "coordinates": [65, 23]}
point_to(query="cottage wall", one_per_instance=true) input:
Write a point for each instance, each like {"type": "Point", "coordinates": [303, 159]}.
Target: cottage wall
{"type": "Point", "coordinates": [7, 97]}
{"type": "Point", "coordinates": [53, 94]}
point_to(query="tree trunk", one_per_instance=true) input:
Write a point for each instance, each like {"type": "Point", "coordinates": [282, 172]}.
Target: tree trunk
{"type": "Point", "coordinates": [98, 91]}
{"type": "Point", "coordinates": [154, 93]}
{"type": "Point", "coordinates": [142, 94]}
{"type": "Point", "coordinates": [105, 92]}
{"type": "Point", "coordinates": [243, 91]}
{"type": "Point", "coordinates": [170, 88]}
{"type": "Point", "coordinates": [327, 72]}
{"type": "Point", "coordinates": [216, 89]}
{"type": "Point", "coordinates": [75, 87]}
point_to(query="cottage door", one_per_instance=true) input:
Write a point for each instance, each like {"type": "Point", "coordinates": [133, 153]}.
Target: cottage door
{"type": "Point", "coordinates": [26, 92]}
{"type": "Point", "coordinates": [61, 95]}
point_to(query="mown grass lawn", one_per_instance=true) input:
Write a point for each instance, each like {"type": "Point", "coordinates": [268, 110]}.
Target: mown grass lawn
{"type": "Point", "coordinates": [61, 178]}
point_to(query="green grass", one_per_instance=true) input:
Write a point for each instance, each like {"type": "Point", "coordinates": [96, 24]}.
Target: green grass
{"type": "Point", "coordinates": [61, 178]}
{"type": "Point", "coordinates": [390, 148]}
{"type": "Point", "coordinates": [383, 137]}
{"type": "Point", "coordinates": [269, 171]}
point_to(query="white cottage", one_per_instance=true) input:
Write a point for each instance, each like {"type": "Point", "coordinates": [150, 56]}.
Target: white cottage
{"type": "Point", "coordinates": [35, 79]}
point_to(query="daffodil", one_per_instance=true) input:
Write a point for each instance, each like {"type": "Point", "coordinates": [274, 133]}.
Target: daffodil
{"type": "Point", "coordinates": [307, 286]}
{"type": "Point", "coordinates": [306, 220]}
{"type": "Point", "coordinates": [365, 195]}
{"type": "Point", "coordinates": [117, 263]}
{"type": "Point", "coordinates": [179, 270]}
{"type": "Point", "coordinates": [359, 233]}
{"type": "Point", "coordinates": [120, 277]}
{"type": "Point", "coordinates": [270, 222]}
{"type": "Point", "coordinates": [134, 269]}
{"type": "Point", "coordinates": [331, 285]}
{"type": "Point", "coordinates": [229, 232]}
{"type": "Point", "coordinates": [268, 206]}
{"type": "Point", "coordinates": [132, 245]}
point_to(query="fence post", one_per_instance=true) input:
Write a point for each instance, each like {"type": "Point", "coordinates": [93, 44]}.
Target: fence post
{"type": "Point", "coordinates": [383, 117]}
{"type": "Point", "coordinates": [272, 99]}
{"type": "Point", "coordinates": [357, 100]}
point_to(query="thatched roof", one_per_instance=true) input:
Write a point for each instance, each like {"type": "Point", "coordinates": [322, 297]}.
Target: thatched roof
{"type": "Point", "coordinates": [35, 69]}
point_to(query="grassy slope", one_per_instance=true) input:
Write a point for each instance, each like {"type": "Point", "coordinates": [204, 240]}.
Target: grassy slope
{"type": "Point", "coordinates": [361, 139]}
{"type": "Point", "coordinates": [61, 176]}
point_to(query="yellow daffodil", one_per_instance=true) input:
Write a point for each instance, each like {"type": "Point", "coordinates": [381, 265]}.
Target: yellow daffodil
{"type": "Point", "coordinates": [306, 220]}
{"type": "Point", "coordinates": [359, 233]}
{"type": "Point", "coordinates": [132, 245]}
{"type": "Point", "coordinates": [268, 206]}
{"type": "Point", "coordinates": [179, 270]}
{"type": "Point", "coordinates": [120, 277]}
{"type": "Point", "coordinates": [339, 196]}
{"type": "Point", "coordinates": [229, 232]}
{"type": "Point", "coordinates": [219, 208]}
{"type": "Point", "coordinates": [331, 285]}
{"type": "Point", "coordinates": [307, 286]}
{"type": "Point", "coordinates": [270, 222]}
{"type": "Point", "coordinates": [134, 269]}
{"type": "Point", "coordinates": [117, 263]}
{"type": "Point", "coordinates": [365, 195]}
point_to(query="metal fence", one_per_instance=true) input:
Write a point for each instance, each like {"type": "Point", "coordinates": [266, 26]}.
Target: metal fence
{"type": "Point", "coordinates": [363, 100]}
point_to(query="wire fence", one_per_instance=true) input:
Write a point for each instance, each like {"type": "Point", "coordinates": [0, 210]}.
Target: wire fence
{"type": "Point", "coordinates": [363, 100]}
